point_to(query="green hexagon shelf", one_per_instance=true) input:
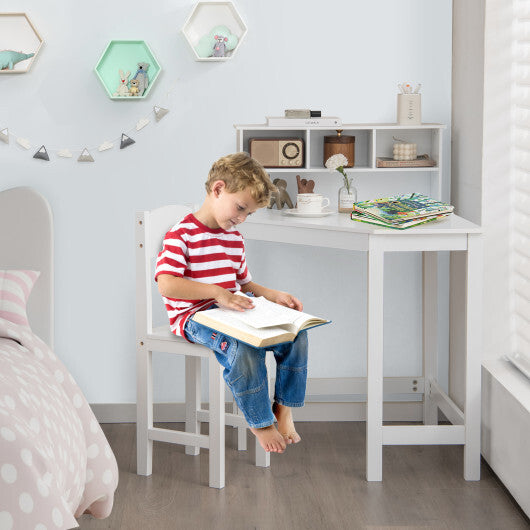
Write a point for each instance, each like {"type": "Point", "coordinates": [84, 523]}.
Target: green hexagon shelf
{"type": "Point", "coordinates": [125, 55]}
{"type": "Point", "coordinates": [18, 38]}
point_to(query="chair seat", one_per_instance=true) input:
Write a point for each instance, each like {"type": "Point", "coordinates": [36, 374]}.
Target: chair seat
{"type": "Point", "coordinates": [171, 343]}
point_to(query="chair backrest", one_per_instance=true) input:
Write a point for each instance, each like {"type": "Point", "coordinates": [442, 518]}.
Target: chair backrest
{"type": "Point", "coordinates": [151, 227]}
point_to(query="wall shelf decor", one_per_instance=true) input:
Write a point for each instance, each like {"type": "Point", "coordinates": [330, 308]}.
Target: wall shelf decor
{"type": "Point", "coordinates": [125, 55]}
{"type": "Point", "coordinates": [372, 141]}
{"type": "Point", "coordinates": [207, 15]}
{"type": "Point", "coordinates": [20, 43]}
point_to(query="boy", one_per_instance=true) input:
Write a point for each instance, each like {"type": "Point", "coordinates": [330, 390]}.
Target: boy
{"type": "Point", "coordinates": [203, 263]}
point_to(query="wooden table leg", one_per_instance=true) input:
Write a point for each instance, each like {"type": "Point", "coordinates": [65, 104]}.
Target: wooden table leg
{"type": "Point", "coordinates": [374, 397]}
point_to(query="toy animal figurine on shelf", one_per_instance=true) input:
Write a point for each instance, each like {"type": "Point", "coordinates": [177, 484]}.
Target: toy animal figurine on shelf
{"type": "Point", "coordinates": [305, 186]}
{"type": "Point", "coordinates": [143, 80]}
{"type": "Point", "coordinates": [133, 89]}
{"type": "Point", "coordinates": [280, 197]}
{"type": "Point", "coordinates": [8, 58]}
{"type": "Point", "coordinates": [216, 43]}
{"type": "Point", "coordinates": [123, 89]}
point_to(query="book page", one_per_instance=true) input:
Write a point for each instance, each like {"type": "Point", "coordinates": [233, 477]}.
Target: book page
{"type": "Point", "coordinates": [230, 318]}
{"type": "Point", "coordinates": [266, 314]}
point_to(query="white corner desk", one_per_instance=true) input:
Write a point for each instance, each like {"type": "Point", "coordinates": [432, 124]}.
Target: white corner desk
{"type": "Point", "coordinates": [453, 233]}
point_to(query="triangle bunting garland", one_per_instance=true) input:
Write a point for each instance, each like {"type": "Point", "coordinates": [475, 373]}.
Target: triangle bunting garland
{"type": "Point", "coordinates": [142, 123]}
{"type": "Point", "coordinates": [125, 140]}
{"type": "Point", "coordinates": [42, 154]}
{"type": "Point", "coordinates": [160, 112]}
{"type": "Point", "coordinates": [85, 156]}
{"type": "Point", "coordinates": [105, 145]}
{"type": "Point", "coordinates": [24, 143]}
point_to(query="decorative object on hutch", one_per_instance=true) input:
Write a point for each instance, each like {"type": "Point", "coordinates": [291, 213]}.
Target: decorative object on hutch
{"type": "Point", "coordinates": [277, 152]}
{"type": "Point", "coordinates": [403, 150]}
{"type": "Point", "coordinates": [304, 185]}
{"type": "Point", "coordinates": [214, 25]}
{"type": "Point", "coordinates": [347, 193]}
{"type": "Point", "coordinates": [280, 197]}
{"type": "Point", "coordinates": [120, 58]}
{"type": "Point", "coordinates": [409, 105]}
{"type": "Point", "coordinates": [340, 144]}
{"type": "Point", "coordinates": [19, 43]}
{"type": "Point", "coordinates": [419, 161]}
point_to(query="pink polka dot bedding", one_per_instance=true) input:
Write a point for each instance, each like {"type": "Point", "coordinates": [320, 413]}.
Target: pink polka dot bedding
{"type": "Point", "coordinates": [55, 462]}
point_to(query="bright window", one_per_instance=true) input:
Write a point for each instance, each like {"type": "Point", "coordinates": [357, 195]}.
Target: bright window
{"type": "Point", "coordinates": [520, 221]}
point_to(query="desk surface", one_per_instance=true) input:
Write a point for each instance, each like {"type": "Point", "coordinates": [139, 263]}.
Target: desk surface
{"type": "Point", "coordinates": [341, 222]}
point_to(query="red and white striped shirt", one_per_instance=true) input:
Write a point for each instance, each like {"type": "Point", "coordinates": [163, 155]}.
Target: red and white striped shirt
{"type": "Point", "coordinates": [206, 255]}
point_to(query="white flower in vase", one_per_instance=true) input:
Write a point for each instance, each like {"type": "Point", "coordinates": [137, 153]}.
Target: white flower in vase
{"type": "Point", "coordinates": [337, 163]}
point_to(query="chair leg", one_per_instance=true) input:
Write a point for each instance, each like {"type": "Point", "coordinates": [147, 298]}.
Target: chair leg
{"type": "Point", "coordinates": [144, 411]}
{"type": "Point", "coordinates": [241, 431]}
{"type": "Point", "coordinates": [217, 424]}
{"type": "Point", "coordinates": [193, 399]}
{"type": "Point", "coordinates": [263, 458]}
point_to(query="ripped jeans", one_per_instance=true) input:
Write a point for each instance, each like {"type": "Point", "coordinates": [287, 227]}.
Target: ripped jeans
{"type": "Point", "coordinates": [245, 372]}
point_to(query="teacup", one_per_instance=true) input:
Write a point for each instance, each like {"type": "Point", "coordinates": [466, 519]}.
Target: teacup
{"type": "Point", "coordinates": [311, 202]}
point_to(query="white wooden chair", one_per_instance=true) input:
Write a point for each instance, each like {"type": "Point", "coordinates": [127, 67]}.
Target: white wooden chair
{"type": "Point", "coordinates": [151, 227]}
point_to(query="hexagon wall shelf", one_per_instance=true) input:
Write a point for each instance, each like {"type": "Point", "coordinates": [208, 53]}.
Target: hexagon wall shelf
{"type": "Point", "coordinates": [18, 34]}
{"type": "Point", "coordinates": [207, 15]}
{"type": "Point", "coordinates": [125, 55]}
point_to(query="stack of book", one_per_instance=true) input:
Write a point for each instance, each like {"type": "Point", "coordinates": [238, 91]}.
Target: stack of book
{"type": "Point", "coordinates": [321, 121]}
{"type": "Point", "coordinates": [401, 211]}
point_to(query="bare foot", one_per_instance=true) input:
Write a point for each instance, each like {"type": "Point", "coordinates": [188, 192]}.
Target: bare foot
{"type": "Point", "coordinates": [270, 439]}
{"type": "Point", "coordinates": [285, 423]}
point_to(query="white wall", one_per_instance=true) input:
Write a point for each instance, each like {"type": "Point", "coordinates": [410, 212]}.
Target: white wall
{"type": "Point", "coordinates": [344, 57]}
{"type": "Point", "coordinates": [481, 166]}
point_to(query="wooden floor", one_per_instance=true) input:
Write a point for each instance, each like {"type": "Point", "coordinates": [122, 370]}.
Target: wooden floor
{"type": "Point", "coordinates": [316, 484]}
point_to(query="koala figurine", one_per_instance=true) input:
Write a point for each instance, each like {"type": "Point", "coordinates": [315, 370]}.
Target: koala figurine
{"type": "Point", "coordinates": [280, 197]}
{"type": "Point", "coordinates": [143, 80]}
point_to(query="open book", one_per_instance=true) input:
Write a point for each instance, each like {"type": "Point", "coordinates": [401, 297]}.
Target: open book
{"type": "Point", "coordinates": [266, 324]}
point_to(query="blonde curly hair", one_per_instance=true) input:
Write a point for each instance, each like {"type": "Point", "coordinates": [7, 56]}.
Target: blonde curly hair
{"type": "Point", "coordinates": [241, 172]}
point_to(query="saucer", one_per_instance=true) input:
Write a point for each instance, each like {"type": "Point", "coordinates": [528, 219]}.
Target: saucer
{"type": "Point", "coordinates": [296, 213]}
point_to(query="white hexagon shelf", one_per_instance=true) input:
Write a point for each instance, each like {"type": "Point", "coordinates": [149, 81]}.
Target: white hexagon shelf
{"type": "Point", "coordinates": [214, 31]}
{"type": "Point", "coordinates": [124, 55]}
{"type": "Point", "coordinates": [19, 43]}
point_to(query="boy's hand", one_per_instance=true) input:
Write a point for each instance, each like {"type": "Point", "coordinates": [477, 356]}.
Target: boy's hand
{"type": "Point", "coordinates": [233, 301]}
{"type": "Point", "coordinates": [288, 300]}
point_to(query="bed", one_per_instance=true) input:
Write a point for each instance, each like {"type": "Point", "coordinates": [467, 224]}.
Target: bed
{"type": "Point", "coordinates": [55, 462]}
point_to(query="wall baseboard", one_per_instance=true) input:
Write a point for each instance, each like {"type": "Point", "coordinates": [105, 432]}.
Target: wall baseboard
{"type": "Point", "coordinates": [176, 412]}
{"type": "Point", "coordinates": [327, 399]}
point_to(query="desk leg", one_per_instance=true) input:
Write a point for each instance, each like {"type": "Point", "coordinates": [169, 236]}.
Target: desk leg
{"type": "Point", "coordinates": [430, 334]}
{"type": "Point", "coordinates": [374, 397]}
{"type": "Point", "coordinates": [472, 413]}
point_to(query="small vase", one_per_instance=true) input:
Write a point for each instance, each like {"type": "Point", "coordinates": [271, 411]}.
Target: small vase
{"type": "Point", "coordinates": [347, 198]}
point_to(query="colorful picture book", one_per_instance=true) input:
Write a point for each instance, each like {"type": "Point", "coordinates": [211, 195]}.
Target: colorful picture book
{"type": "Point", "coordinates": [264, 325]}
{"type": "Point", "coordinates": [401, 211]}
{"type": "Point", "coordinates": [401, 208]}
{"type": "Point", "coordinates": [357, 216]}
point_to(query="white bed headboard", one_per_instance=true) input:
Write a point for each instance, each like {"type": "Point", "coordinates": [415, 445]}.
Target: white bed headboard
{"type": "Point", "coordinates": [26, 242]}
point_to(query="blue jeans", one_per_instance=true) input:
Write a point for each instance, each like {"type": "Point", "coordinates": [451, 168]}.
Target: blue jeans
{"type": "Point", "coordinates": [245, 372]}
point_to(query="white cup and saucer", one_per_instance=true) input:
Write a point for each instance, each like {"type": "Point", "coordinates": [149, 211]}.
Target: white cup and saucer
{"type": "Point", "coordinates": [310, 205]}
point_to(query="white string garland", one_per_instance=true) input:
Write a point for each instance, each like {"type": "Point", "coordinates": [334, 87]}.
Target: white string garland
{"type": "Point", "coordinates": [63, 152]}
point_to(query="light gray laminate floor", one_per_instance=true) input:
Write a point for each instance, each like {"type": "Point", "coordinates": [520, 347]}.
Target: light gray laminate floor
{"type": "Point", "coordinates": [316, 484]}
